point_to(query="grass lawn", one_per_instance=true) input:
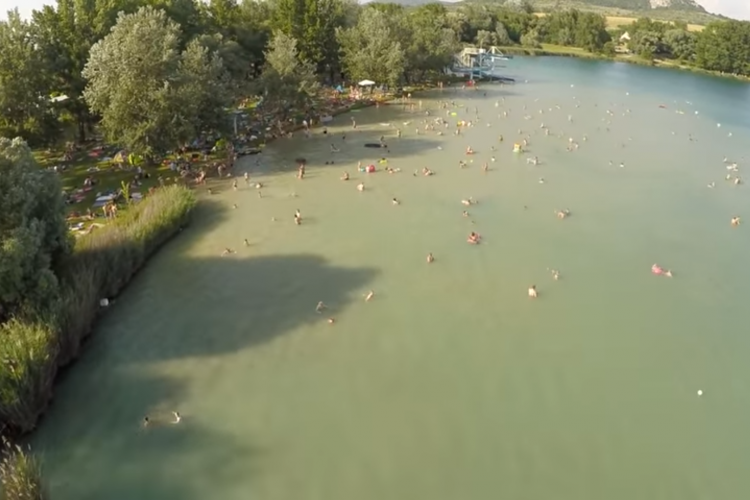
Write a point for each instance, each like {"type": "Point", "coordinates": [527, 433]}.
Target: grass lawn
{"type": "Point", "coordinates": [107, 177]}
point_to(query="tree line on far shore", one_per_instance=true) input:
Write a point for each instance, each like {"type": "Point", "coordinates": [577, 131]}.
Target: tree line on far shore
{"type": "Point", "coordinates": [152, 74]}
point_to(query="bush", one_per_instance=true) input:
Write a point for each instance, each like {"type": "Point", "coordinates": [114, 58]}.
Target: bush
{"type": "Point", "coordinates": [20, 474]}
{"type": "Point", "coordinates": [103, 263]}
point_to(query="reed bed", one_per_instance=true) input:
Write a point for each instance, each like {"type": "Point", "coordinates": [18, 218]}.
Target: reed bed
{"type": "Point", "coordinates": [32, 348]}
{"type": "Point", "coordinates": [20, 474]}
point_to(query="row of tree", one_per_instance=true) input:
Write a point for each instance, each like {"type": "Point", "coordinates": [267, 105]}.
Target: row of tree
{"type": "Point", "coordinates": [154, 73]}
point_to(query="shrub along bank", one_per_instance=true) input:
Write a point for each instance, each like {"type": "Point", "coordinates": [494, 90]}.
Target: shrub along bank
{"type": "Point", "coordinates": [33, 345]}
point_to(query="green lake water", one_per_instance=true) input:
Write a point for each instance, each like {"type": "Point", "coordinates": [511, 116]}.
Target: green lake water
{"type": "Point", "coordinates": [450, 383]}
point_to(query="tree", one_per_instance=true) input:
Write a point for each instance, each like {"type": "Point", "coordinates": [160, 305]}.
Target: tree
{"type": "Point", "coordinates": [33, 234]}
{"type": "Point", "coordinates": [646, 44]}
{"type": "Point", "coordinates": [531, 39]}
{"type": "Point", "coordinates": [680, 43]}
{"type": "Point", "coordinates": [428, 42]}
{"type": "Point", "coordinates": [312, 23]}
{"type": "Point", "coordinates": [65, 35]}
{"type": "Point", "coordinates": [287, 83]}
{"type": "Point", "coordinates": [369, 50]}
{"type": "Point", "coordinates": [501, 35]}
{"type": "Point", "coordinates": [150, 96]}
{"type": "Point", "coordinates": [724, 46]}
{"type": "Point", "coordinates": [208, 85]}
{"type": "Point", "coordinates": [24, 84]}
{"type": "Point", "coordinates": [483, 38]}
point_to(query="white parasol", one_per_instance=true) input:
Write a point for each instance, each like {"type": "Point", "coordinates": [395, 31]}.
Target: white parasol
{"type": "Point", "coordinates": [366, 83]}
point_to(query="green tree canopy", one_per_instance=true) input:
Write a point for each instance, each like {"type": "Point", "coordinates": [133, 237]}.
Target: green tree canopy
{"type": "Point", "coordinates": [152, 97]}
{"type": "Point", "coordinates": [286, 82]}
{"type": "Point", "coordinates": [33, 233]}
{"type": "Point", "coordinates": [724, 46]}
{"type": "Point", "coordinates": [24, 83]}
{"type": "Point", "coordinates": [369, 50]}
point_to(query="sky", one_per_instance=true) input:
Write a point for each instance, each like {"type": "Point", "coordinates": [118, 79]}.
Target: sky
{"type": "Point", "coordinates": [737, 9]}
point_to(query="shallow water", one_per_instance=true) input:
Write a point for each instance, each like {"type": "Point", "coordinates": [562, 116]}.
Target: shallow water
{"type": "Point", "coordinates": [450, 383]}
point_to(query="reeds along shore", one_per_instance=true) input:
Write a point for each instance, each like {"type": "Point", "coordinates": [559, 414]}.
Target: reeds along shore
{"type": "Point", "coordinates": [33, 347]}
{"type": "Point", "coordinates": [20, 474]}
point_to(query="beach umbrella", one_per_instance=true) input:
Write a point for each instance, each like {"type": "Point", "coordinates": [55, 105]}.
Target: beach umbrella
{"type": "Point", "coordinates": [366, 83]}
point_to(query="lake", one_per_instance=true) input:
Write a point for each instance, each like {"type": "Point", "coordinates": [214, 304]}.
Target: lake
{"type": "Point", "coordinates": [450, 383]}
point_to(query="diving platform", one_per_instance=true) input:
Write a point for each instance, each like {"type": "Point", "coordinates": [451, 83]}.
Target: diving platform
{"type": "Point", "coordinates": [479, 63]}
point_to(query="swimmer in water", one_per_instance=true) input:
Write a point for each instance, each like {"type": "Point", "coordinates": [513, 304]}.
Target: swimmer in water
{"type": "Point", "coordinates": [177, 417]}
{"type": "Point", "coordinates": [735, 221]}
{"type": "Point", "coordinates": [360, 187]}
{"type": "Point", "coordinates": [146, 421]}
{"type": "Point", "coordinates": [473, 238]}
{"type": "Point", "coordinates": [247, 178]}
{"type": "Point", "coordinates": [227, 251]}
{"type": "Point", "coordinates": [561, 214]}
{"type": "Point", "coordinates": [320, 307]}
{"type": "Point", "coordinates": [532, 292]}
{"type": "Point", "coordinates": [465, 213]}
{"type": "Point", "coordinates": [395, 201]}
{"type": "Point", "coordinates": [555, 275]}
{"type": "Point", "coordinates": [234, 184]}
{"type": "Point", "coordinates": [430, 258]}
{"type": "Point", "coordinates": [246, 243]}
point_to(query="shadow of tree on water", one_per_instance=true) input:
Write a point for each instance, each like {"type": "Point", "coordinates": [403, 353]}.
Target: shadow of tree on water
{"type": "Point", "coordinates": [317, 151]}
{"type": "Point", "coordinates": [180, 307]}
{"type": "Point", "coordinates": [98, 449]}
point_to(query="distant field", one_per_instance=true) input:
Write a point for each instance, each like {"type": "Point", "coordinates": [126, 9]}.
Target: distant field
{"type": "Point", "coordinates": [617, 21]}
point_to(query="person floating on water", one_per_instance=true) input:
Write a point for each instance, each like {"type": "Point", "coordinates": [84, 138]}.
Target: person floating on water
{"type": "Point", "coordinates": [735, 221]}
{"type": "Point", "coordinates": [659, 271]}
{"type": "Point", "coordinates": [532, 292]}
{"type": "Point", "coordinates": [562, 214]}
{"type": "Point", "coordinates": [430, 258]}
{"type": "Point", "coordinates": [474, 238]}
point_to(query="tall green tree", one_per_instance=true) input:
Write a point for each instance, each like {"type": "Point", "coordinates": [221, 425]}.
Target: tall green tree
{"type": "Point", "coordinates": [313, 23]}
{"type": "Point", "coordinates": [25, 108]}
{"type": "Point", "coordinates": [680, 43]}
{"type": "Point", "coordinates": [429, 43]}
{"type": "Point", "coordinates": [369, 50]}
{"type": "Point", "coordinates": [65, 34]}
{"type": "Point", "coordinates": [33, 234]}
{"type": "Point", "coordinates": [724, 46]}
{"type": "Point", "coordinates": [287, 83]}
{"type": "Point", "coordinates": [149, 94]}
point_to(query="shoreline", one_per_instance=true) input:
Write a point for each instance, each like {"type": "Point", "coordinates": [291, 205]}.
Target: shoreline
{"type": "Point", "coordinates": [563, 51]}
{"type": "Point", "coordinates": [381, 99]}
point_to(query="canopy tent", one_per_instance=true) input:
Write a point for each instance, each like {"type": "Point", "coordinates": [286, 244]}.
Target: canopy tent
{"type": "Point", "coordinates": [366, 83]}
